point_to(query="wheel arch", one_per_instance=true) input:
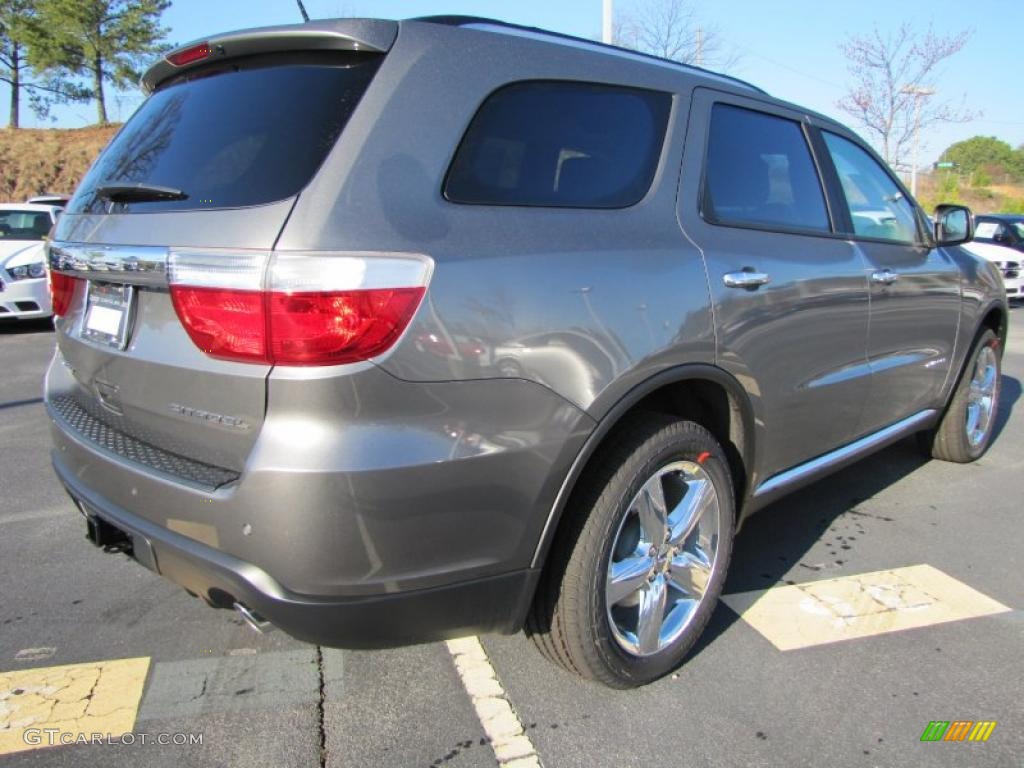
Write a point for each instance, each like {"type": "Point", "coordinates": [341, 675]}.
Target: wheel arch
{"type": "Point", "coordinates": [995, 317]}
{"type": "Point", "coordinates": [699, 392]}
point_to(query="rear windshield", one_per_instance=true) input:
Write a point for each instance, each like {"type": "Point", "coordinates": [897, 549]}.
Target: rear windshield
{"type": "Point", "coordinates": [241, 135]}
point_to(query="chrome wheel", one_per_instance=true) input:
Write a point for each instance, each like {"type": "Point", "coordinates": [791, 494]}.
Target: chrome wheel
{"type": "Point", "coordinates": [663, 555]}
{"type": "Point", "coordinates": [982, 397]}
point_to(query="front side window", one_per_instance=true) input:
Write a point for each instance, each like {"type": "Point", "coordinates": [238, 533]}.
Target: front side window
{"type": "Point", "coordinates": [986, 230]}
{"type": "Point", "coordinates": [561, 144]}
{"type": "Point", "coordinates": [760, 172]}
{"type": "Point", "coordinates": [878, 207]}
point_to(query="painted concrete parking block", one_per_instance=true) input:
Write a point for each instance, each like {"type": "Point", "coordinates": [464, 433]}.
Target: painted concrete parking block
{"type": "Point", "coordinates": [76, 700]}
{"type": "Point", "coordinates": [861, 605]}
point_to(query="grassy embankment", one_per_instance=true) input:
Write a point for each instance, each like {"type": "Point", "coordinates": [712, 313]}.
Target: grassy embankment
{"type": "Point", "coordinates": [38, 160]}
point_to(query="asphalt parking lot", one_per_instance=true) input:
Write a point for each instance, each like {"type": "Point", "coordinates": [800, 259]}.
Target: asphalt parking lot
{"type": "Point", "coordinates": [154, 661]}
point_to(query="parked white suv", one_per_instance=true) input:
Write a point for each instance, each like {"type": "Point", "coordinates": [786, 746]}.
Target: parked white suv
{"type": "Point", "coordinates": [24, 293]}
{"type": "Point", "coordinates": [1008, 260]}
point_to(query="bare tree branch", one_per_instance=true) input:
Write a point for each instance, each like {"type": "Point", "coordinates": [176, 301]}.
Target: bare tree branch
{"type": "Point", "coordinates": [882, 66]}
{"type": "Point", "coordinates": [670, 29]}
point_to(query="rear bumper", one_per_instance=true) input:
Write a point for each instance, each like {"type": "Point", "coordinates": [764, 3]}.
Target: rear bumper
{"type": "Point", "coordinates": [25, 300]}
{"type": "Point", "coordinates": [493, 604]}
{"type": "Point", "coordinates": [408, 515]}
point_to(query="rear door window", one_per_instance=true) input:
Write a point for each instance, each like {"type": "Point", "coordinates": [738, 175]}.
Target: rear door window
{"type": "Point", "coordinates": [760, 173]}
{"type": "Point", "coordinates": [242, 134]}
{"type": "Point", "coordinates": [878, 207]}
{"type": "Point", "coordinates": [560, 144]}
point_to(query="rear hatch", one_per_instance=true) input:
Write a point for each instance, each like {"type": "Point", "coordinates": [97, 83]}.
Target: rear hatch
{"type": "Point", "coordinates": [208, 168]}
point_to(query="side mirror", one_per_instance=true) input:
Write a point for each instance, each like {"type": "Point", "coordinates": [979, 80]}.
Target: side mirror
{"type": "Point", "coordinates": [954, 224]}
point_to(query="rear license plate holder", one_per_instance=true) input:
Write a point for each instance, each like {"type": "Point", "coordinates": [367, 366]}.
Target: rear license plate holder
{"type": "Point", "coordinates": [108, 314]}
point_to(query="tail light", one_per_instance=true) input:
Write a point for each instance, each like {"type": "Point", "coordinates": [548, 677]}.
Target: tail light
{"type": "Point", "coordinates": [62, 292]}
{"type": "Point", "coordinates": [296, 308]}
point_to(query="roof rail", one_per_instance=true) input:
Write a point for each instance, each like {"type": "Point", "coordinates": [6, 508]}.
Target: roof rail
{"type": "Point", "coordinates": [465, 21]}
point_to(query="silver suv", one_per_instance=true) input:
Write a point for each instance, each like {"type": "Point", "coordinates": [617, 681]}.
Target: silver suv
{"type": "Point", "coordinates": [385, 332]}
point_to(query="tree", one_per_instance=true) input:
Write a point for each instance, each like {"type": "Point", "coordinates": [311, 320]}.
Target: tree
{"type": "Point", "coordinates": [105, 41]}
{"type": "Point", "coordinates": [883, 67]}
{"type": "Point", "coordinates": [987, 155]}
{"type": "Point", "coordinates": [670, 29]}
{"type": "Point", "coordinates": [15, 19]}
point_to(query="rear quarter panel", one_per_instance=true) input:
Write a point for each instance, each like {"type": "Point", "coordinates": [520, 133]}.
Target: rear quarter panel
{"type": "Point", "coordinates": [585, 302]}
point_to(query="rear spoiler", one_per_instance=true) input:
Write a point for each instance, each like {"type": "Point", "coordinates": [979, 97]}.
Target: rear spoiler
{"type": "Point", "coordinates": [369, 35]}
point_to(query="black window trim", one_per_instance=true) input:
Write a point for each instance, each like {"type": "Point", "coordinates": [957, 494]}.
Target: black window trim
{"type": "Point", "coordinates": [923, 238]}
{"type": "Point", "coordinates": [652, 187]}
{"type": "Point", "coordinates": [806, 129]}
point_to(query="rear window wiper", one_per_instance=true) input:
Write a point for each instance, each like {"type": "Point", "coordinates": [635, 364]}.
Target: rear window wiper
{"type": "Point", "coordinates": [130, 193]}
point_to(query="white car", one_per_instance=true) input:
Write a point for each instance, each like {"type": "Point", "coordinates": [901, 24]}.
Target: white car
{"type": "Point", "coordinates": [1009, 262]}
{"type": "Point", "coordinates": [24, 293]}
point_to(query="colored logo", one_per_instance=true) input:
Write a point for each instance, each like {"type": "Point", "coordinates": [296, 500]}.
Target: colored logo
{"type": "Point", "coordinates": [958, 730]}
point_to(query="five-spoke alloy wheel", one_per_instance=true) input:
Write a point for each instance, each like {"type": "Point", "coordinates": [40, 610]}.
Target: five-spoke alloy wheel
{"type": "Point", "coordinates": [638, 564]}
{"type": "Point", "coordinates": [662, 558]}
{"type": "Point", "coordinates": [969, 423]}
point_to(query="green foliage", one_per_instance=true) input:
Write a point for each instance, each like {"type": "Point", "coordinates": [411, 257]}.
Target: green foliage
{"type": "Point", "coordinates": [43, 90]}
{"type": "Point", "coordinates": [983, 156]}
{"type": "Point", "coordinates": [949, 188]}
{"type": "Point", "coordinates": [106, 41]}
{"type": "Point", "coordinates": [1012, 205]}
{"type": "Point", "coordinates": [981, 178]}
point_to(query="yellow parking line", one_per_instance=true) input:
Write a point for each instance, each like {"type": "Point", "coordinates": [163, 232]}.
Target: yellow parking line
{"type": "Point", "coordinates": [99, 697]}
{"type": "Point", "coordinates": [862, 605]}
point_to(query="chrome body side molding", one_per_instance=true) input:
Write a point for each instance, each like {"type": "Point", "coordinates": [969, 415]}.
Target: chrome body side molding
{"type": "Point", "coordinates": [841, 456]}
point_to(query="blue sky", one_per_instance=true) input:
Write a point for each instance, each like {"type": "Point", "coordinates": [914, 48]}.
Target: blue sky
{"type": "Point", "coordinates": [788, 47]}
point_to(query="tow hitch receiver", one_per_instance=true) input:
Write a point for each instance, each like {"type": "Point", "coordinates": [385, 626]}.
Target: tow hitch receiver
{"type": "Point", "coordinates": [108, 537]}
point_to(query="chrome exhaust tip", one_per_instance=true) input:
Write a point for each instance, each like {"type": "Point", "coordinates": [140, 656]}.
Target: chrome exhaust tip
{"type": "Point", "coordinates": [256, 622]}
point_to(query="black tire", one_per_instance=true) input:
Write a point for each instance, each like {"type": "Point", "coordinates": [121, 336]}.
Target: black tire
{"type": "Point", "coordinates": [950, 441]}
{"type": "Point", "coordinates": [568, 621]}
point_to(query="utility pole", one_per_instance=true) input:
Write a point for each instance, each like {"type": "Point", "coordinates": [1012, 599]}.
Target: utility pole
{"type": "Point", "coordinates": [699, 59]}
{"type": "Point", "coordinates": [920, 94]}
{"type": "Point", "coordinates": [607, 28]}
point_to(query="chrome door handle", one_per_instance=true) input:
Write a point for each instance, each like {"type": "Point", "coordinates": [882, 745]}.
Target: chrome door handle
{"type": "Point", "coordinates": [884, 276]}
{"type": "Point", "coordinates": [745, 278]}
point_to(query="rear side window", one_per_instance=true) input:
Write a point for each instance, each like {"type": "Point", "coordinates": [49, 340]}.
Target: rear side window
{"type": "Point", "coordinates": [244, 134]}
{"type": "Point", "coordinates": [760, 172]}
{"type": "Point", "coordinates": [561, 144]}
{"type": "Point", "coordinates": [878, 207]}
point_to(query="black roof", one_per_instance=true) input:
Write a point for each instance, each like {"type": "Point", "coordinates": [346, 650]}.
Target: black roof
{"type": "Point", "coordinates": [462, 21]}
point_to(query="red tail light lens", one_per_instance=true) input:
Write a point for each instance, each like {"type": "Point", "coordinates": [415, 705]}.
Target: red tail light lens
{"type": "Point", "coordinates": [62, 292]}
{"type": "Point", "coordinates": [190, 55]}
{"type": "Point", "coordinates": [342, 327]}
{"type": "Point", "coordinates": [366, 302]}
{"type": "Point", "coordinates": [222, 322]}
